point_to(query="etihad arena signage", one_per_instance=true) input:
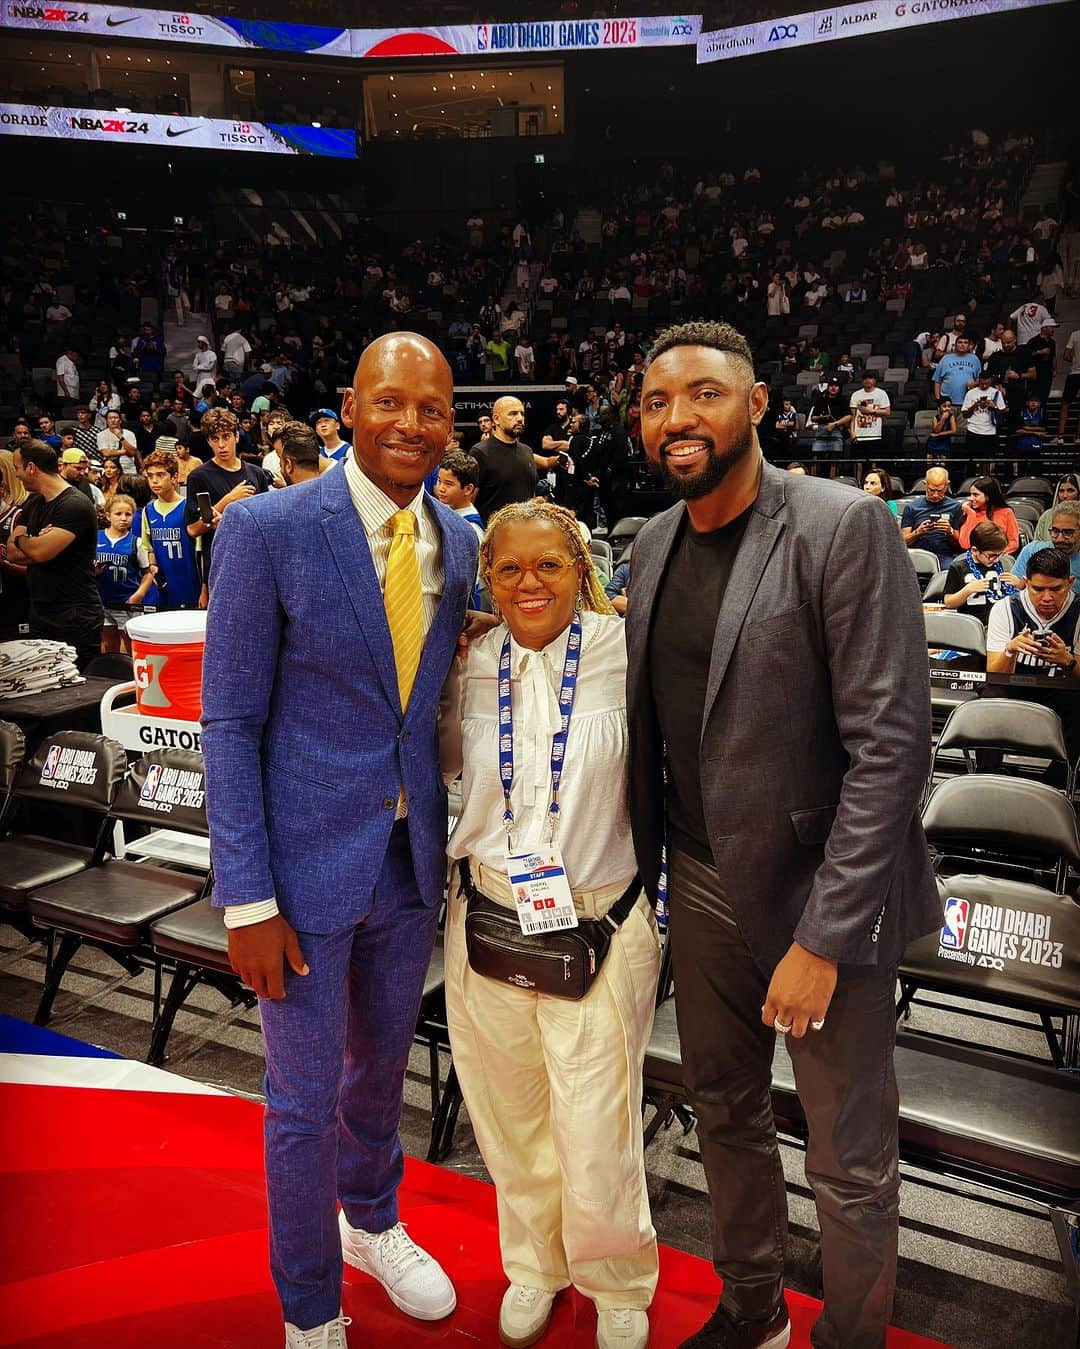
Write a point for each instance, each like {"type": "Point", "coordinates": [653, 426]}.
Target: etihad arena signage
{"type": "Point", "coordinates": [829, 25]}
{"type": "Point", "coordinates": [479, 39]}
{"type": "Point", "coordinates": [193, 133]}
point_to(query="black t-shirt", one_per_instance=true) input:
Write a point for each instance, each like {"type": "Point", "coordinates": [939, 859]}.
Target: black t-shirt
{"type": "Point", "coordinates": [218, 482]}
{"type": "Point", "coordinates": [824, 409]}
{"type": "Point", "coordinates": [65, 588]}
{"type": "Point", "coordinates": [680, 650]}
{"type": "Point", "coordinates": [959, 575]}
{"type": "Point", "coordinates": [507, 474]}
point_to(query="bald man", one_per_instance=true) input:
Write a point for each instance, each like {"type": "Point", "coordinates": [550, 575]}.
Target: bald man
{"type": "Point", "coordinates": [333, 620]}
{"type": "Point", "coordinates": [933, 520]}
{"type": "Point", "coordinates": [508, 467]}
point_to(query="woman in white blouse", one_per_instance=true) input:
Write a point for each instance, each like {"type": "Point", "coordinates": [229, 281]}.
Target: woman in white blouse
{"type": "Point", "coordinates": [552, 1085]}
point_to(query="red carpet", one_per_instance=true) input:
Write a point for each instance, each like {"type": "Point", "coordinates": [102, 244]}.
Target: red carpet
{"type": "Point", "coordinates": [136, 1218]}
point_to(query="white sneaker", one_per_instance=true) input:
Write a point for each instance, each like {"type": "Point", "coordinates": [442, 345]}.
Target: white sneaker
{"type": "Point", "coordinates": [413, 1281]}
{"type": "Point", "coordinates": [524, 1315]}
{"type": "Point", "coordinates": [622, 1328]}
{"type": "Point", "coordinates": [330, 1335]}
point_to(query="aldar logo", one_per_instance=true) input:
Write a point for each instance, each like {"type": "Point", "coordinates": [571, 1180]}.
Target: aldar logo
{"type": "Point", "coordinates": [483, 37]}
{"type": "Point", "coordinates": [784, 32]}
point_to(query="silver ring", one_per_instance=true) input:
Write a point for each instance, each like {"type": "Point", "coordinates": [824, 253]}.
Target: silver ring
{"type": "Point", "coordinates": [817, 1025]}
{"type": "Point", "coordinates": [779, 1026]}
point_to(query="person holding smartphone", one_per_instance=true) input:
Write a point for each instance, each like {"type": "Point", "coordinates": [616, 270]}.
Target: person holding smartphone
{"type": "Point", "coordinates": [1035, 632]}
{"type": "Point", "coordinates": [224, 479]}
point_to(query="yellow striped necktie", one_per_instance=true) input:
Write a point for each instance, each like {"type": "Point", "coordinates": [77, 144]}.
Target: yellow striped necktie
{"type": "Point", "coordinates": [404, 601]}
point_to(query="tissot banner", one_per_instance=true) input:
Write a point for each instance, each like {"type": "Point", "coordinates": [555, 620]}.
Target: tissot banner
{"type": "Point", "coordinates": [479, 39]}
{"type": "Point", "coordinates": [196, 133]}
{"type": "Point", "coordinates": [829, 25]}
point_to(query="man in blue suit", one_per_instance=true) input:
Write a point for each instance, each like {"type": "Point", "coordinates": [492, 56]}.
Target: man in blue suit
{"type": "Point", "coordinates": [336, 608]}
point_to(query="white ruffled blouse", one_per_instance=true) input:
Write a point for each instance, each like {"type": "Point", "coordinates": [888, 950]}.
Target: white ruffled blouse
{"type": "Point", "coordinates": [594, 825]}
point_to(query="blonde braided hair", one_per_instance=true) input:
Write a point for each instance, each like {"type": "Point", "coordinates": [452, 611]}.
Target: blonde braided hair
{"type": "Point", "coordinates": [592, 594]}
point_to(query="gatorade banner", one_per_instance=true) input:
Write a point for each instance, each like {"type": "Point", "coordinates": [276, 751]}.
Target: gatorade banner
{"type": "Point", "coordinates": [200, 30]}
{"type": "Point", "coordinates": [829, 25]}
{"type": "Point", "coordinates": [193, 133]}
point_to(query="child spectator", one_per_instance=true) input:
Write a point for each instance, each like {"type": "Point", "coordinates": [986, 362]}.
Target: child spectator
{"type": "Point", "coordinates": [942, 431]}
{"type": "Point", "coordinates": [459, 479]}
{"type": "Point", "coordinates": [171, 552]}
{"type": "Point", "coordinates": [977, 578]}
{"type": "Point", "coordinates": [123, 572]}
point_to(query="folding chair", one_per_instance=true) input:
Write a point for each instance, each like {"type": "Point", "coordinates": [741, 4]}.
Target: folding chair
{"type": "Point", "coordinates": [112, 904]}
{"type": "Point", "coordinates": [1005, 726]}
{"type": "Point", "coordinates": [72, 770]}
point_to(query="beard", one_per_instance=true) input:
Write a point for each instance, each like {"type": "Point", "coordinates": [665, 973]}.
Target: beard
{"type": "Point", "coordinates": [693, 486]}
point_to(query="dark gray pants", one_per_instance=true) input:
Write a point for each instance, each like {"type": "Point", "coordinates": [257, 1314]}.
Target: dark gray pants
{"type": "Point", "coordinates": [847, 1086]}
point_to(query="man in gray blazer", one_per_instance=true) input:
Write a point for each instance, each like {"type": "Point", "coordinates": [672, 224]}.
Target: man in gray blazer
{"type": "Point", "coordinates": [779, 705]}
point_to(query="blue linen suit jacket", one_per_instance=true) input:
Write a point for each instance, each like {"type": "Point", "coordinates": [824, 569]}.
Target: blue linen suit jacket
{"type": "Point", "coordinates": [304, 738]}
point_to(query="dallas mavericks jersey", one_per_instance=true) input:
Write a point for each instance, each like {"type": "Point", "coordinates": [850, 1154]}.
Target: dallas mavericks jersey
{"type": "Point", "coordinates": [338, 454]}
{"type": "Point", "coordinates": [1064, 626]}
{"type": "Point", "coordinates": [174, 552]}
{"type": "Point", "coordinates": [120, 578]}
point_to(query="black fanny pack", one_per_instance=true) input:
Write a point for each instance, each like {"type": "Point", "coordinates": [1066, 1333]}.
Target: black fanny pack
{"type": "Point", "coordinates": [562, 964]}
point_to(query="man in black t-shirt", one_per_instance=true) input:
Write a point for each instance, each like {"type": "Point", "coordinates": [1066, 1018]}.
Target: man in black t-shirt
{"type": "Point", "coordinates": [1010, 369]}
{"type": "Point", "coordinates": [508, 467]}
{"type": "Point", "coordinates": [57, 537]}
{"type": "Point", "coordinates": [225, 479]}
{"type": "Point", "coordinates": [556, 440]}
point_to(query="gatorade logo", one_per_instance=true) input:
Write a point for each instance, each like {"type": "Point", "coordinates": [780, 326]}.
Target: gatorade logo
{"type": "Point", "coordinates": [148, 671]}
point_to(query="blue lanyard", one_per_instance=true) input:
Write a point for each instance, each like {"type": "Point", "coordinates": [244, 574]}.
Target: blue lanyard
{"type": "Point", "coordinates": [558, 743]}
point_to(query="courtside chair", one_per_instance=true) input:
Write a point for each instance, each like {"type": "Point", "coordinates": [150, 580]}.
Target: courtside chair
{"type": "Point", "coordinates": [113, 903]}
{"type": "Point", "coordinates": [75, 771]}
{"type": "Point", "coordinates": [1026, 731]}
{"type": "Point", "coordinates": [1010, 934]}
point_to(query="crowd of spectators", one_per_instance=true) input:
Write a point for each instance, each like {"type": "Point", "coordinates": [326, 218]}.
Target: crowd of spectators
{"type": "Point", "coordinates": [834, 265]}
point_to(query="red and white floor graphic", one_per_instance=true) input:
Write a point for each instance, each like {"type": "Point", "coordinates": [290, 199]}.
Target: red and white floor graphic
{"type": "Point", "coordinates": [133, 1214]}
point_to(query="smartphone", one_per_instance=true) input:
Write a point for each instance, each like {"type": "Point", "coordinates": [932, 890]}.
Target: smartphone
{"type": "Point", "coordinates": [206, 510]}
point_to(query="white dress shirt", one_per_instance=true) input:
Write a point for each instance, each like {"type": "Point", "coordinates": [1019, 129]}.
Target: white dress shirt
{"type": "Point", "coordinates": [375, 510]}
{"type": "Point", "coordinates": [594, 828]}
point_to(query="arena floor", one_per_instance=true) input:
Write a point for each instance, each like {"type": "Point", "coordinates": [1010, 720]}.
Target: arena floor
{"type": "Point", "coordinates": [970, 1275]}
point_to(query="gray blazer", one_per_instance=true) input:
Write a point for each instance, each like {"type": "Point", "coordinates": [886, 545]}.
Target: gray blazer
{"type": "Point", "coordinates": [816, 734]}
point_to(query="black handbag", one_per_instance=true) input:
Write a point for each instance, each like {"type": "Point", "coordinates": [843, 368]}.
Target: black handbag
{"type": "Point", "coordinates": [562, 964]}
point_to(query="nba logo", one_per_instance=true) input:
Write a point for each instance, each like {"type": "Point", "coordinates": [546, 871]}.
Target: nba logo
{"type": "Point", "coordinates": [50, 763]}
{"type": "Point", "coordinates": [482, 38]}
{"type": "Point", "coordinates": [149, 787]}
{"type": "Point", "coordinates": [956, 920]}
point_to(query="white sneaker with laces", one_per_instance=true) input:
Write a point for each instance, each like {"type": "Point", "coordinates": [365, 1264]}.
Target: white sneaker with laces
{"type": "Point", "coordinates": [524, 1315]}
{"type": "Point", "coordinates": [330, 1335]}
{"type": "Point", "coordinates": [413, 1281]}
{"type": "Point", "coordinates": [622, 1328]}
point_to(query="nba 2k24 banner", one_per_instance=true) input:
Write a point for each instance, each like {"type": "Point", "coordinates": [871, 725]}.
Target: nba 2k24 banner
{"type": "Point", "coordinates": [479, 39]}
{"type": "Point", "coordinates": [829, 25]}
{"type": "Point", "coordinates": [192, 133]}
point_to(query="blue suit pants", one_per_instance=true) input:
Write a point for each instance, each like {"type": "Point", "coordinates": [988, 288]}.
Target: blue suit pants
{"type": "Point", "coordinates": [336, 1052]}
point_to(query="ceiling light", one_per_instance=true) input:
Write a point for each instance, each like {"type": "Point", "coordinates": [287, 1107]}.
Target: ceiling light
{"type": "Point", "coordinates": [549, 88]}
{"type": "Point", "coordinates": [391, 79]}
{"type": "Point", "coordinates": [434, 88]}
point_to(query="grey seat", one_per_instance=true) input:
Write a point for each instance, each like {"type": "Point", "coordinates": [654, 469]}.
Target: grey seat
{"type": "Point", "coordinates": [1009, 726]}
{"type": "Point", "coordinates": [934, 590]}
{"type": "Point", "coordinates": [926, 565]}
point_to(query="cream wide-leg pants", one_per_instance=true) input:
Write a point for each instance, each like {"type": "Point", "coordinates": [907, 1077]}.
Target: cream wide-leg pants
{"type": "Point", "coordinates": [553, 1089]}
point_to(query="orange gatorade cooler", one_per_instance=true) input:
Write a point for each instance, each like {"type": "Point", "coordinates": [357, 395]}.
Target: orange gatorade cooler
{"type": "Point", "coordinates": [167, 649]}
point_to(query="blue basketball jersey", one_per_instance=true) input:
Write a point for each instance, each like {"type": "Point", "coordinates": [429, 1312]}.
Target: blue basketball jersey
{"type": "Point", "coordinates": [120, 578]}
{"type": "Point", "coordinates": [166, 535]}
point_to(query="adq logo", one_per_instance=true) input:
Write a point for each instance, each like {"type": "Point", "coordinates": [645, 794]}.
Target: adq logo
{"type": "Point", "coordinates": [680, 28]}
{"type": "Point", "coordinates": [784, 32]}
